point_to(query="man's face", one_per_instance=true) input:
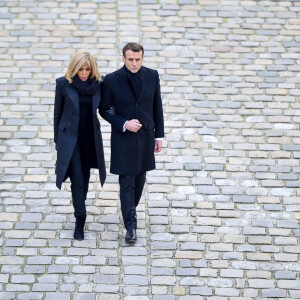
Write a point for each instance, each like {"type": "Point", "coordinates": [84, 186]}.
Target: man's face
{"type": "Point", "coordinates": [133, 60]}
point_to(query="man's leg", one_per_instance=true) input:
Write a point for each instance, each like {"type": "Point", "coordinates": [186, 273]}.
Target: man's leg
{"type": "Point", "coordinates": [140, 180]}
{"type": "Point", "coordinates": [127, 197]}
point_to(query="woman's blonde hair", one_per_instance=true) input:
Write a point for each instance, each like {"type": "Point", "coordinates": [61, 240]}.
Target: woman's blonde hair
{"type": "Point", "coordinates": [78, 61]}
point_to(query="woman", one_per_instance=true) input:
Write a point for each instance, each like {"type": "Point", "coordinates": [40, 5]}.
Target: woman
{"type": "Point", "coordinates": [77, 135]}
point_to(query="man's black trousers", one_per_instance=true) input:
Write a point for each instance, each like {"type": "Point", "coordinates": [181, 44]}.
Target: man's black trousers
{"type": "Point", "coordinates": [131, 189]}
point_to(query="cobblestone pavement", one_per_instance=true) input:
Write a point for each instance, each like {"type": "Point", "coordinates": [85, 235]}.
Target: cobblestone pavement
{"type": "Point", "coordinates": [219, 218]}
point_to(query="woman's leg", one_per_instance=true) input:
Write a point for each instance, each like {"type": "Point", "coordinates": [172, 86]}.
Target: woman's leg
{"type": "Point", "coordinates": [78, 189]}
{"type": "Point", "coordinates": [86, 155]}
{"type": "Point", "coordinates": [77, 184]}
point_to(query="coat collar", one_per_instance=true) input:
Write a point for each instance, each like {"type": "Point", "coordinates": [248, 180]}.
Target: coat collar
{"type": "Point", "coordinates": [74, 96]}
{"type": "Point", "coordinates": [121, 75]}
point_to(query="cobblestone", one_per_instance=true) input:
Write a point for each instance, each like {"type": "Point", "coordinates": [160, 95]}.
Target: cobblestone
{"type": "Point", "coordinates": [219, 217]}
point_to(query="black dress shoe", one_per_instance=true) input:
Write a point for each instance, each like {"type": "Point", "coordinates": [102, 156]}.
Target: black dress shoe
{"type": "Point", "coordinates": [130, 236]}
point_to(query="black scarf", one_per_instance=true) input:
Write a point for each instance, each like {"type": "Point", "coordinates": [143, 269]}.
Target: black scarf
{"type": "Point", "coordinates": [87, 87]}
{"type": "Point", "coordinates": [135, 82]}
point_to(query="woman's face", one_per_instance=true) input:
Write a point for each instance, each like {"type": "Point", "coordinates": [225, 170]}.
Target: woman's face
{"type": "Point", "coordinates": [84, 72]}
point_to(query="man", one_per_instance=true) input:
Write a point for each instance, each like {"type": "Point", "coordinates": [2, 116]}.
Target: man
{"type": "Point", "coordinates": [131, 103]}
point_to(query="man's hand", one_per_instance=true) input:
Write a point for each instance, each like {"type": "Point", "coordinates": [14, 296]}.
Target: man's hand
{"type": "Point", "coordinates": [157, 146]}
{"type": "Point", "coordinates": [133, 125]}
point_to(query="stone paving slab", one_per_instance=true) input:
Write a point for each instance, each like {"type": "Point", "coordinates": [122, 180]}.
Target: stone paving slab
{"type": "Point", "coordinates": [219, 218]}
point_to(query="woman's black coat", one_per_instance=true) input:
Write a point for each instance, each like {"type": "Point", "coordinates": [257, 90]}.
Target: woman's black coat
{"type": "Point", "coordinates": [132, 153]}
{"type": "Point", "coordinates": [66, 121]}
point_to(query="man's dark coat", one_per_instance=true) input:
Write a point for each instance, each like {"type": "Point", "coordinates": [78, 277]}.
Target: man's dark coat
{"type": "Point", "coordinates": [132, 153]}
{"type": "Point", "coordinates": [66, 121]}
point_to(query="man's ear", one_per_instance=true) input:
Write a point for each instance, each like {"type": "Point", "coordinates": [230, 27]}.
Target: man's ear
{"type": "Point", "coordinates": [124, 59]}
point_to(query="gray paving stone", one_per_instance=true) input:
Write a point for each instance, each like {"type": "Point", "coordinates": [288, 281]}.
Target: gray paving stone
{"type": "Point", "coordinates": [57, 269]}
{"type": "Point", "coordinates": [39, 260]}
{"type": "Point", "coordinates": [30, 296]}
{"type": "Point", "coordinates": [163, 297]}
{"type": "Point", "coordinates": [135, 270]}
{"type": "Point", "coordinates": [67, 288]}
{"type": "Point", "coordinates": [44, 287]}
{"type": "Point", "coordinates": [85, 296]}
{"type": "Point", "coordinates": [135, 280]}
{"type": "Point", "coordinates": [285, 275]}
{"type": "Point", "coordinates": [49, 278]}
{"type": "Point", "coordinates": [287, 224]}
{"type": "Point", "coordinates": [275, 293]}
{"type": "Point", "coordinates": [53, 296]}
{"type": "Point", "coordinates": [162, 271]}
{"type": "Point", "coordinates": [7, 295]}
{"type": "Point", "coordinates": [34, 269]}
{"type": "Point", "coordinates": [203, 291]}
{"type": "Point", "coordinates": [22, 279]}
{"type": "Point", "coordinates": [105, 279]}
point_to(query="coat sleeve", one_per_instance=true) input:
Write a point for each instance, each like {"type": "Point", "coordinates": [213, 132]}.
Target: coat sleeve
{"type": "Point", "coordinates": [107, 109]}
{"type": "Point", "coordinates": [158, 114]}
{"type": "Point", "coordinates": [58, 109]}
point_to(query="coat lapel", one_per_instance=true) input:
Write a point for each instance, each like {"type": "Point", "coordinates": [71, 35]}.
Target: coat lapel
{"type": "Point", "coordinates": [144, 85]}
{"type": "Point", "coordinates": [124, 84]}
{"type": "Point", "coordinates": [73, 95]}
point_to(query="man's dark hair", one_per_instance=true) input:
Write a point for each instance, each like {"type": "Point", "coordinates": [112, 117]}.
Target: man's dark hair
{"type": "Point", "coordinates": [135, 47]}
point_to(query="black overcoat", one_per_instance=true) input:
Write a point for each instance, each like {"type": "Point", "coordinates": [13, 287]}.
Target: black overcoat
{"type": "Point", "coordinates": [66, 121]}
{"type": "Point", "coordinates": [132, 153]}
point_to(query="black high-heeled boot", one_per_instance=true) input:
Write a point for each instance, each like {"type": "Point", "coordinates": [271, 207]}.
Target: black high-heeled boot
{"type": "Point", "coordinates": [79, 227]}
